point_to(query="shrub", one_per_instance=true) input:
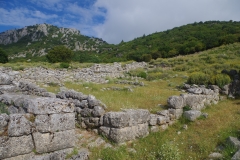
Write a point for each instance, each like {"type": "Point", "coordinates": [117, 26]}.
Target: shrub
{"type": "Point", "coordinates": [222, 80]}
{"type": "Point", "coordinates": [146, 57]}
{"type": "Point", "coordinates": [3, 56]}
{"type": "Point", "coordinates": [64, 65]}
{"type": "Point", "coordinates": [59, 54]}
{"type": "Point", "coordinates": [198, 78]}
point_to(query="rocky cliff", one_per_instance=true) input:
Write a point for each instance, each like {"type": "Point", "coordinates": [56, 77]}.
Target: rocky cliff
{"type": "Point", "coordinates": [36, 40]}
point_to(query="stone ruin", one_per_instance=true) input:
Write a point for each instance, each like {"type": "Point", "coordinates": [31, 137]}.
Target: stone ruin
{"type": "Point", "coordinates": [41, 125]}
{"type": "Point", "coordinates": [98, 73]}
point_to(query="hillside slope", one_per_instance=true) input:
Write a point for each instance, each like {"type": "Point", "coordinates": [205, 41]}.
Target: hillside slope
{"type": "Point", "coordinates": [35, 41]}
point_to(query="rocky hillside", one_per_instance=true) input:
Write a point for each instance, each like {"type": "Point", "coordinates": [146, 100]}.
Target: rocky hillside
{"type": "Point", "coordinates": [36, 40]}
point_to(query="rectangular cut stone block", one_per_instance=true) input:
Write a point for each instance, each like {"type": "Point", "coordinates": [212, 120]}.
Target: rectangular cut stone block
{"type": "Point", "coordinates": [120, 135]}
{"type": "Point", "coordinates": [138, 116]}
{"type": "Point", "coordinates": [48, 142]}
{"type": "Point", "coordinates": [127, 118]}
{"type": "Point", "coordinates": [46, 105]}
{"type": "Point", "coordinates": [19, 125]}
{"type": "Point", "coordinates": [14, 146]}
{"type": "Point", "coordinates": [42, 123]}
{"type": "Point", "coordinates": [55, 122]}
{"type": "Point", "coordinates": [116, 119]}
{"type": "Point", "coordinates": [62, 122]}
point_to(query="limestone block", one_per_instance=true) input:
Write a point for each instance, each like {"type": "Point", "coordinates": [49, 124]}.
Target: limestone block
{"type": "Point", "coordinates": [5, 79]}
{"type": "Point", "coordinates": [161, 120]}
{"type": "Point", "coordinates": [48, 142]}
{"type": "Point", "coordinates": [176, 112]}
{"type": "Point", "coordinates": [163, 113]}
{"type": "Point", "coordinates": [42, 123]}
{"type": "Point", "coordinates": [120, 135]}
{"type": "Point", "coordinates": [153, 119]}
{"type": "Point", "coordinates": [175, 102]}
{"type": "Point", "coordinates": [116, 119]}
{"type": "Point", "coordinates": [192, 115]}
{"type": "Point", "coordinates": [86, 112]}
{"type": "Point", "coordinates": [46, 105]}
{"type": "Point", "coordinates": [195, 102]}
{"type": "Point", "coordinates": [138, 116]}
{"type": "Point", "coordinates": [83, 104]}
{"type": "Point", "coordinates": [19, 125]}
{"type": "Point", "coordinates": [98, 111]}
{"type": "Point", "coordinates": [236, 156]}
{"type": "Point", "coordinates": [55, 122]}
{"type": "Point", "coordinates": [4, 119]}
{"type": "Point", "coordinates": [14, 146]}
{"type": "Point", "coordinates": [61, 122]}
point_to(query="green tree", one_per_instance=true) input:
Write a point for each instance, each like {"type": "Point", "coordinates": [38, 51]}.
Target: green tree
{"type": "Point", "coordinates": [146, 57]}
{"type": "Point", "coordinates": [59, 54]}
{"type": "Point", "coordinates": [3, 56]}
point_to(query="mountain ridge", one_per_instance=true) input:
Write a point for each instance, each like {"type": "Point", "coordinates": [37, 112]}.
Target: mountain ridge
{"type": "Point", "coordinates": [35, 41]}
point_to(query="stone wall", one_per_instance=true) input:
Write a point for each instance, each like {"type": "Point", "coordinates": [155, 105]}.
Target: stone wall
{"type": "Point", "coordinates": [98, 73]}
{"type": "Point", "coordinates": [35, 125]}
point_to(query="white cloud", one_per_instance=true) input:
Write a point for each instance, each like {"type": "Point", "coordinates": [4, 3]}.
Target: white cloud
{"type": "Point", "coordinates": [128, 19]}
{"type": "Point", "coordinates": [22, 17]}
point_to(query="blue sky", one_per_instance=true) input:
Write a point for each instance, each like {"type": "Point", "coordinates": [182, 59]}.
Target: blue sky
{"type": "Point", "coordinates": [115, 20]}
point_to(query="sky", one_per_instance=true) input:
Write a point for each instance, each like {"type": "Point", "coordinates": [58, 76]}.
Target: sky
{"type": "Point", "coordinates": [115, 20]}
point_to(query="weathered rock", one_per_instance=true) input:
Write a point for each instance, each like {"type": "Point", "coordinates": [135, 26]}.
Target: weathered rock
{"type": "Point", "coordinates": [120, 135]}
{"type": "Point", "coordinates": [5, 79]}
{"type": "Point", "coordinates": [45, 105]}
{"type": "Point", "coordinates": [161, 120]}
{"type": "Point", "coordinates": [195, 102]}
{"type": "Point", "coordinates": [12, 110]}
{"type": "Point", "coordinates": [234, 141]}
{"type": "Point", "coordinates": [98, 111]}
{"type": "Point", "coordinates": [83, 154]}
{"type": "Point", "coordinates": [215, 155]}
{"type": "Point", "coordinates": [163, 113]}
{"type": "Point", "coordinates": [195, 90]}
{"type": "Point", "coordinates": [177, 113]}
{"type": "Point", "coordinates": [154, 129]}
{"type": "Point", "coordinates": [153, 120]}
{"type": "Point", "coordinates": [116, 119]}
{"type": "Point", "coordinates": [236, 156]}
{"type": "Point", "coordinates": [48, 142]}
{"type": "Point", "coordinates": [61, 122]}
{"type": "Point", "coordinates": [192, 115]}
{"type": "Point", "coordinates": [4, 119]}
{"type": "Point", "coordinates": [83, 104]}
{"type": "Point", "coordinates": [137, 116]}
{"type": "Point", "coordinates": [175, 102]}
{"type": "Point", "coordinates": [86, 112]}
{"type": "Point", "coordinates": [19, 125]}
{"type": "Point", "coordinates": [14, 146]}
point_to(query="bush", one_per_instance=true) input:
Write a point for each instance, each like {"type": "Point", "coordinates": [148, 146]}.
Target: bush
{"type": "Point", "coordinates": [3, 56]}
{"type": "Point", "coordinates": [222, 80]}
{"type": "Point", "coordinates": [146, 57]}
{"type": "Point", "coordinates": [59, 54]}
{"type": "Point", "coordinates": [198, 78]}
{"type": "Point", "coordinates": [64, 65]}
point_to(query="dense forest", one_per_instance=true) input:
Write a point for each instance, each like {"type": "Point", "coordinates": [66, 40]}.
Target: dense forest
{"type": "Point", "coordinates": [182, 40]}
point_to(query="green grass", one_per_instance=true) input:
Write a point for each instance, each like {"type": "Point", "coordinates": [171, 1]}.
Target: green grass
{"type": "Point", "coordinates": [197, 142]}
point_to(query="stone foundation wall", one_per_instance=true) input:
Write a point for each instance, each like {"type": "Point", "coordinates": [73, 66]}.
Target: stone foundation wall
{"type": "Point", "coordinates": [35, 125]}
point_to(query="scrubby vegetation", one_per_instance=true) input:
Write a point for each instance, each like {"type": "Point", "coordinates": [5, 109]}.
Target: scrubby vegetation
{"type": "Point", "coordinates": [59, 54]}
{"type": "Point", "coordinates": [182, 40]}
